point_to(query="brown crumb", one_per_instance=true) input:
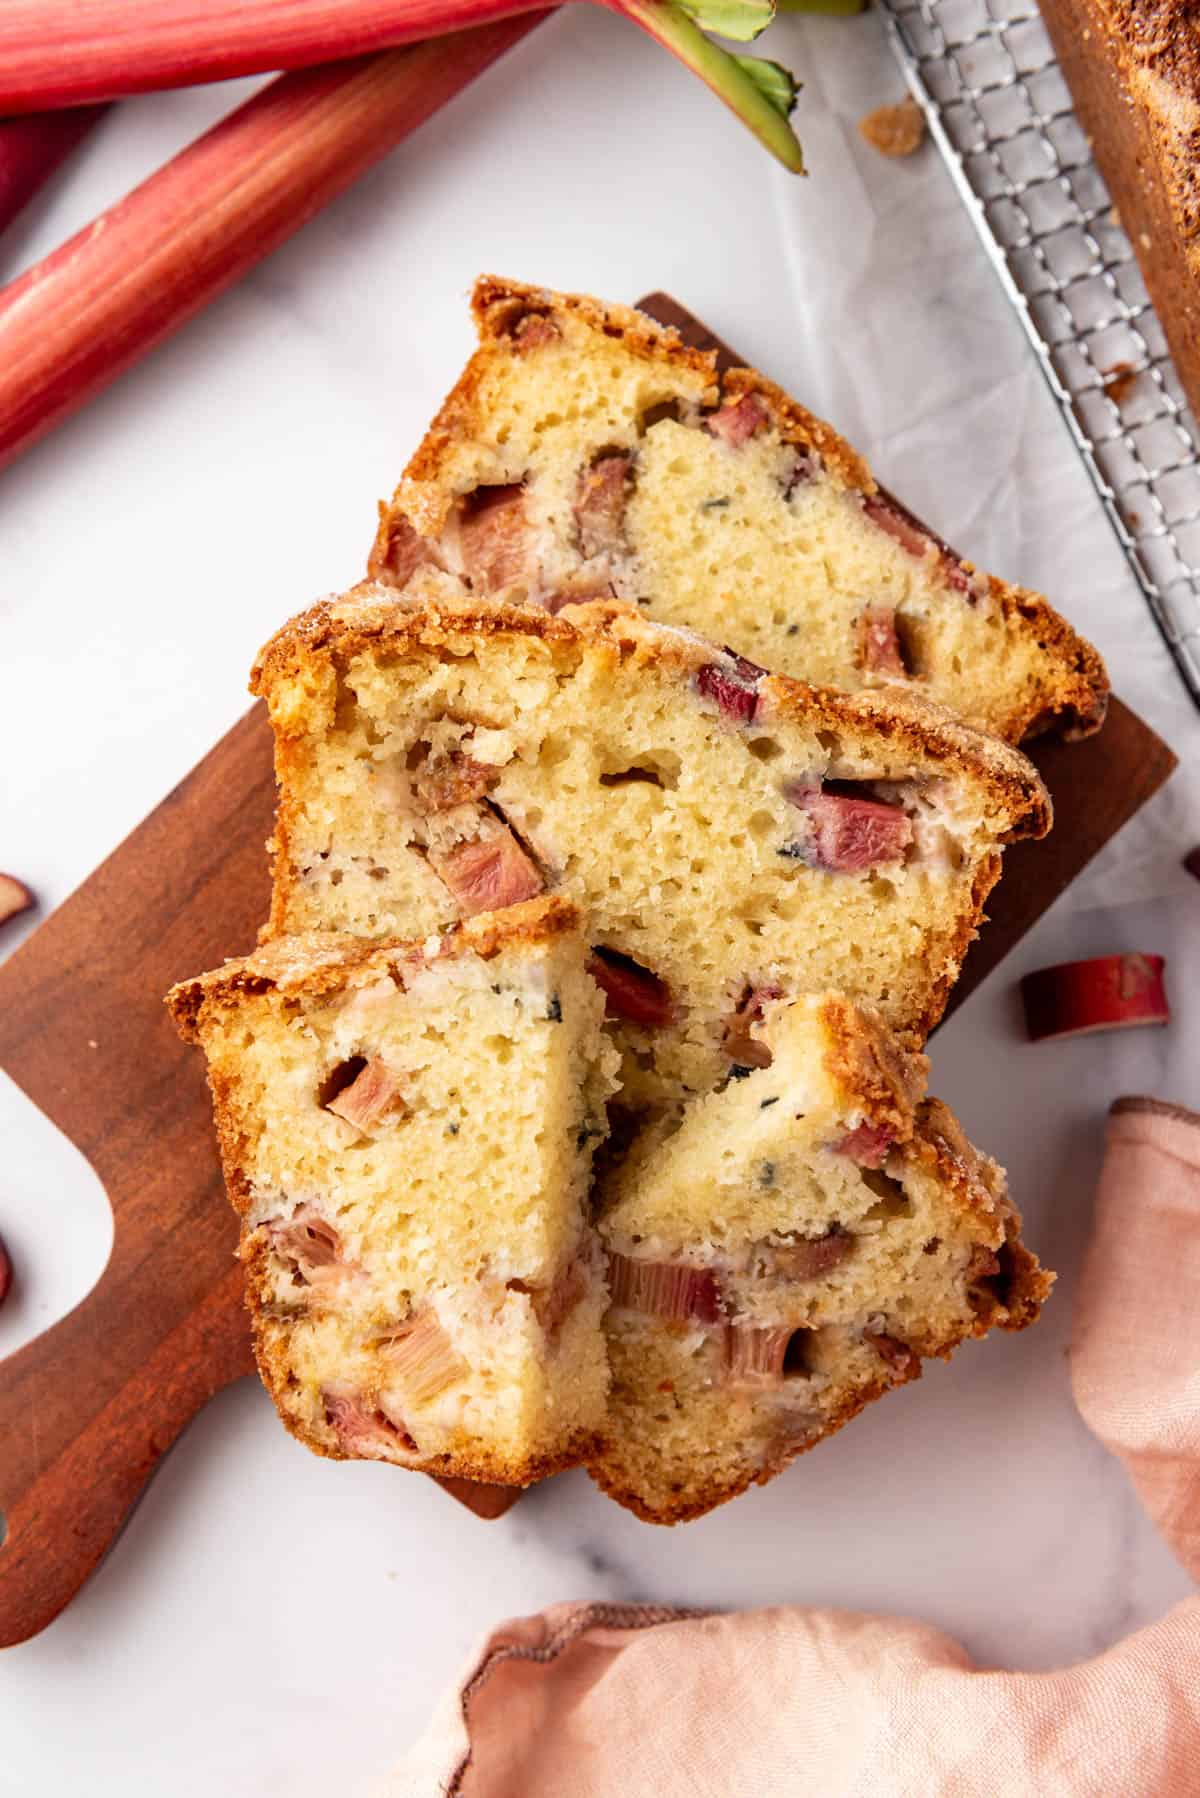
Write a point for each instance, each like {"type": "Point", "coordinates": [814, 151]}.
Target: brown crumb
{"type": "Point", "coordinates": [895, 130]}
{"type": "Point", "coordinates": [1120, 381]}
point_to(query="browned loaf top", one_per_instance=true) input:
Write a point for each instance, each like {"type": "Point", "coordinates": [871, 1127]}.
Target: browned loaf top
{"type": "Point", "coordinates": [1133, 67]}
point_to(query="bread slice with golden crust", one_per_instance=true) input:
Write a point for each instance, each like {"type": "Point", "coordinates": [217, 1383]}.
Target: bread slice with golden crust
{"type": "Point", "coordinates": [406, 1131]}
{"type": "Point", "coordinates": [728, 833]}
{"type": "Point", "coordinates": [588, 450]}
{"type": "Point", "coordinates": [790, 1253]}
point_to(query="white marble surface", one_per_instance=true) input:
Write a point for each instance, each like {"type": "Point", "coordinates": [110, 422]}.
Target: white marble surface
{"type": "Point", "coordinates": [270, 1622]}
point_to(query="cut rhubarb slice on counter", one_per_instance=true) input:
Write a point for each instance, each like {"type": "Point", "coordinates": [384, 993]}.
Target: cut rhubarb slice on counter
{"type": "Point", "coordinates": [1078, 998]}
{"type": "Point", "coordinates": [15, 897]}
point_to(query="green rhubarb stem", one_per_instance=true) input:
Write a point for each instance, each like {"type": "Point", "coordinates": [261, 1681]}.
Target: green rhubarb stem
{"type": "Point", "coordinates": [719, 71]}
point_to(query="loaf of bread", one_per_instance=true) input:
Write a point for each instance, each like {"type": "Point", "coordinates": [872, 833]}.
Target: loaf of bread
{"type": "Point", "coordinates": [1133, 67]}
{"type": "Point", "coordinates": [727, 833]}
{"type": "Point", "coordinates": [790, 1253]}
{"type": "Point", "coordinates": [407, 1133]}
{"type": "Point", "coordinates": [587, 450]}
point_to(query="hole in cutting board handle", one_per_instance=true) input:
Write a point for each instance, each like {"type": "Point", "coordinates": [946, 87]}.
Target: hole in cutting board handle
{"type": "Point", "coordinates": [57, 1222]}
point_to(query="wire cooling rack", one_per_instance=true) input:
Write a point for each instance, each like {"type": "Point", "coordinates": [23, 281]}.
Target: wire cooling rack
{"type": "Point", "coordinates": [986, 77]}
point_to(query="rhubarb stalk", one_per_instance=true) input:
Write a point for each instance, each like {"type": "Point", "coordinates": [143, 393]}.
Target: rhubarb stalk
{"type": "Point", "coordinates": [75, 321]}
{"type": "Point", "coordinates": [32, 148]}
{"type": "Point", "coordinates": [100, 49]}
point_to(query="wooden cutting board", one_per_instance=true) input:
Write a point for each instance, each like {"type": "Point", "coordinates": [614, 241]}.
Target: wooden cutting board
{"type": "Point", "coordinates": [88, 1409]}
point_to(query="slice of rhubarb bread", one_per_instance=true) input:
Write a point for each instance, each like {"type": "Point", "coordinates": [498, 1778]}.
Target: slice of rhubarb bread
{"type": "Point", "coordinates": [727, 833]}
{"type": "Point", "coordinates": [406, 1131]}
{"type": "Point", "coordinates": [807, 1235]}
{"type": "Point", "coordinates": [588, 450]}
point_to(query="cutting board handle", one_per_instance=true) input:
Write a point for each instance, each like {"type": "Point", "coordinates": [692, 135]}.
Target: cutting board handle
{"type": "Point", "coordinates": [81, 1432]}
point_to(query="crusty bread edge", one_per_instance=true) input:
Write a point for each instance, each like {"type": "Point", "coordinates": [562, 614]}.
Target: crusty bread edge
{"type": "Point", "coordinates": [1075, 703]}
{"type": "Point", "coordinates": [316, 962]}
{"type": "Point", "coordinates": [312, 965]}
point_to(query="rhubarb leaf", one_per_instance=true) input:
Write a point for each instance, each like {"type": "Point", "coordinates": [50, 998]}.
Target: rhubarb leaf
{"type": "Point", "coordinates": [728, 76]}
{"type": "Point", "coordinates": [778, 84]}
{"type": "Point", "coordinates": [740, 20]}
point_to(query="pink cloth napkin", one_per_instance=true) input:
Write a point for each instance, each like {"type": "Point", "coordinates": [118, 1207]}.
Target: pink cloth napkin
{"type": "Point", "coordinates": [616, 1701]}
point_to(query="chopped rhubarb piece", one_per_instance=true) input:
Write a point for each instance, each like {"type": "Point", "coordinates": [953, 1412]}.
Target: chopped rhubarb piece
{"type": "Point", "coordinates": [5, 1272]}
{"type": "Point", "coordinates": [553, 1304]}
{"type": "Point", "coordinates": [734, 686]}
{"type": "Point", "coordinates": [443, 781]}
{"type": "Point", "coordinates": [868, 1144]}
{"type": "Point", "coordinates": [372, 1096]}
{"type": "Point", "coordinates": [600, 505]}
{"type": "Point", "coordinates": [15, 897]}
{"type": "Point", "coordinates": [899, 524]}
{"type": "Point", "coordinates": [533, 331]}
{"type": "Point", "coordinates": [983, 1264]}
{"type": "Point", "coordinates": [665, 1289]}
{"type": "Point", "coordinates": [878, 645]}
{"type": "Point", "coordinates": [764, 1357]}
{"type": "Point", "coordinates": [811, 1256]}
{"type": "Point", "coordinates": [1111, 992]}
{"type": "Point", "coordinates": [406, 551]}
{"type": "Point", "coordinates": [971, 584]}
{"type": "Point", "coordinates": [493, 538]}
{"type": "Point", "coordinates": [805, 467]}
{"type": "Point", "coordinates": [737, 422]}
{"type": "Point", "coordinates": [631, 991]}
{"type": "Point", "coordinates": [489, 872]}
{"type": "Point", "coordinates": [313, 1246]}
{"type": "Point", "coordinates": [897, 1354]}
{"type": "Point", "coordinates": [850, 834]}
{"type": "Point", "coordinates": [421, 1358]}
{"type": "Point", "coordinates": [362, 1430]}
{"type": "Point", "coordinates": [743, 1049]}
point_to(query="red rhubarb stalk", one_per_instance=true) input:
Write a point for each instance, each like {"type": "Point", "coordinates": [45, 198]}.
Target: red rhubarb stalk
{"type": "Point", "coordinates": [32, 148]}
{"type": "Point", "coordinates": [100, 49]}
{"type": "Point", "coordinates": [75, 321]}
